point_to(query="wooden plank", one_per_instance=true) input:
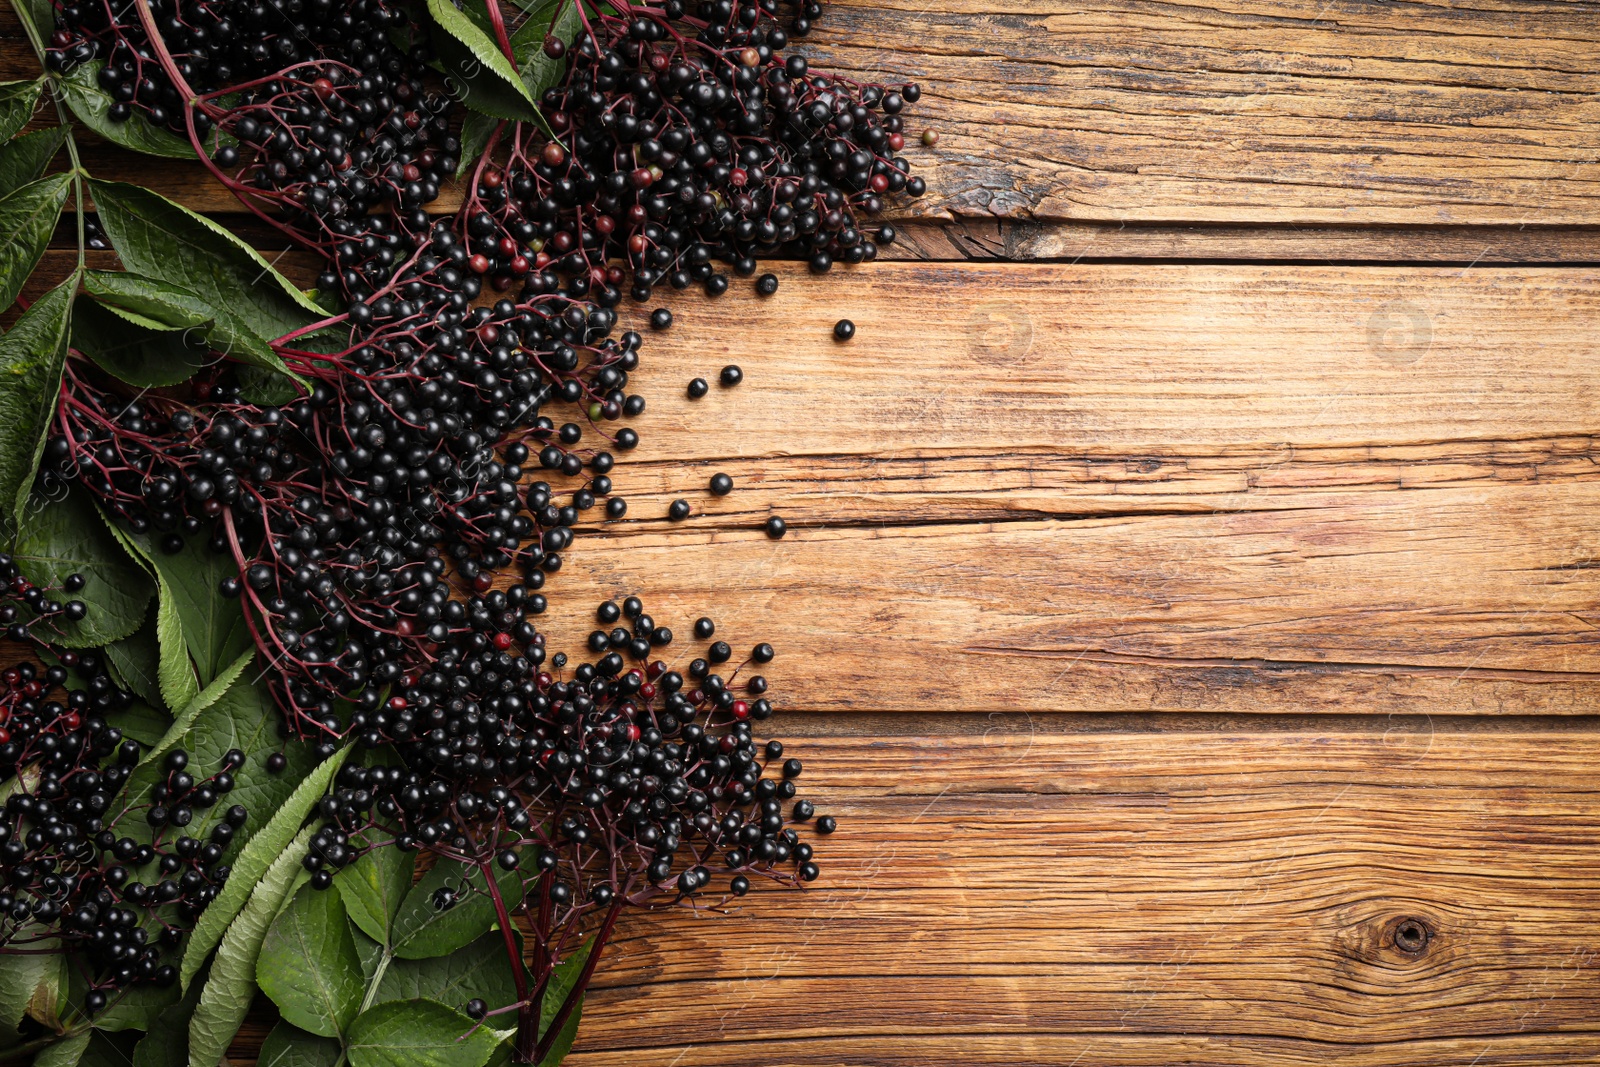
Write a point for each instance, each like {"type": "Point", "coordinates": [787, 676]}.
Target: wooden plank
{"type": "Point", "coordinates": [1144, 899]}
{"type": "Point", "coordinates": [1287, 112]}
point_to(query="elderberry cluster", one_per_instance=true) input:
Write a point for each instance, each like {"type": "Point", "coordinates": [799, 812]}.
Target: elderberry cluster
{"type": "Point", "coordinates": [349, 512]}
{"type": "Point", "coordinates": [622, 782]}
{"type": "Point", "coordinates": [25, 606]}
{"type": "Point", "coordinates": [687, 138]}
{"type": "Point", "coordinates": [219, 45]}
{"type": "Point", "coordinates": [75, 871]}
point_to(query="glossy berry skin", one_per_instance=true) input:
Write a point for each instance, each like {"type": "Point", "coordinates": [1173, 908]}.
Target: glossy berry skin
{"type": "Point", "coordinates": [697, 388]}
{"type": "Point", "coordinates": [704, 628]}
{"type": "Point", "coordinates": [731, 376]}
{"type": "Point", "coordinates": [678, 510]}
{"type": "Point", "coordinates": [766, 285]}
{"type": "Point", "coordinates": [843, 330]}
{"type": "Point", "coordinates": [720, 485]}
{"type": "Point", "coordinates": [775, 528]}
{"type": "Point", "coordinates": [660, 319]}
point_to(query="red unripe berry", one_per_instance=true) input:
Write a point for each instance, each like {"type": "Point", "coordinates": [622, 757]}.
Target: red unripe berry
{"type": "Point", "coordinates": [741, 710]}
{"type": "Point", "coordinates": [553, 155]}
{"type": "Point", "coordinates": [479, 263]}
{"type": "Point", "coordinates": [637, 244]}
{"type": "Point", "coordinates": [738, 176]}
{"type": "Point", "coordinates": [493, 179]}
{"type": "Point", "coordinates": [605, 224]}
{"type": "Point", "coordinates": [482, 582]}
{"type": "Point", "coordinates": [519, 265]}
{"type": "Point", "coordinates": [555, 47]}
{"type": "Point", "coordinates": [641, 178]}
{"type": "Point", "coordinates": [411, 173]}
{"type": "Point", "coordinates": [508, 247]}
{"type": "Point", "coordinates": [897, 141]}
{"type": "Point", "coordinates": [323, 88]}
{"type": "Point", "coordinates": [880, 183]}
{"type": "Point", "coordinates": [502, 641]}
{"type": "Point", "coordinates": [397, 703]}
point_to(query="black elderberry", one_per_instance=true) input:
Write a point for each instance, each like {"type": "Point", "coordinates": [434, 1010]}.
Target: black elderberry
{"type": "Point", "coordinates": [843, 330]}
{"type": "Point", "coordinates": [704, 627]}
{"type": "Point", "coordinates": [660, 319]}
{"type": "Point", "coordinates": [697, 388]}
{"type": "Point", "coordinates": [721, 485]}
{"type": "Point", "coordinates": [678, 510]}
{"type": "Point", "coordinates": [776, 528]}
{"type": "Point", "coordinates": [767, 284]}
{"type": "Point", "coordinates": [827, 824]}
{"type": "Point", "coordinates": [731, 376]}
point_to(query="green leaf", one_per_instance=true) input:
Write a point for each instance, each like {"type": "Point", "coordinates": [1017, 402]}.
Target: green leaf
{"type": "Point", "coordinates": [27, 219]}
{"type": "Point", "coordinates": [141, 722]}
{"type": "Point", "coordinates": [224, 997]}
{"type": "Point", "coordinates": [136, 1008]}
{"type": "Point", "coordinates": [418, 1033]}
{"type": "Point", "coordinates": [373, 888]}
{"type": "Point", "coordinates": [421, 930]}
{"type": "Point", "coordinates": [540, 72]}
{"type": "Point", "coordinates": [213, 626]}
{"type": "Point", "coordinates": [191, 711]}
{"type": "Point", "coordinates": [476, 129]}
{"type": "Point", "coordinates": [256, 857]}
{"type": "Point", "coordinates": [167, 1042]}
{"type": "Point", "coordinates": [154, 304]}
{"type": "Point", "coordinates": [30, 979]}
{"type": "Point", "coordinates": [67, 1052]}
{"type": "Point", "coordinates": [66, 536]}
{"type": "Point", "coordinates": [566, 975]}
{"type": "Point", "coordinates": [476, 71]}
{"type": "Point", "coordinates": [308, 964]}
{"type": "Point", "coordinates": [252, 302]}
{"type": "Point", "coordinates": [17, 101]}
{"type": "Point", "coordinates": [31, 358]}
{"type": "Point", "coordinates": [25, 158]}
{"type": "Point", "coordinates": [109, 1050]}
{"type": "Point", "coordinates": [482, 971]}
{"type": "Point", "coordinates": [134, 661]}
{"type": "Point", "coordinates": [290, 1046]}
{"type": "Point", "coordinates": [92, 104]}
{"type": "Point", "coordinates": [179, 686]}
{"type": "Point", "coordinates": [139, 355]}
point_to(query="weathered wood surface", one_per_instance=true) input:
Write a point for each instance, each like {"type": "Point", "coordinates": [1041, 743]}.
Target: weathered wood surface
{"type": "Point", "coordinates": [1285, 112]}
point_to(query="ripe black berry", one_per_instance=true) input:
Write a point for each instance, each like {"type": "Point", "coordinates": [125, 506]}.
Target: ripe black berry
{"type": "Point", "coordinates": [721, 485]}
{"type": "Point", "coordinates": [767, 284]}
{"type": "Point", "coordinates": [678, 510]}
{"type": "Point", "coordinates": [731, 376]}
{"type": "Point", "coordinates": [704, 627]}
{"type": "Point", "coordinates": [776, 528]}
{"type": "Point", "coordinates": [843, 330]}
{"type": "Point", "coordinates": [660, 319]}
{"type": "Point", "coordinates": [697, 388]}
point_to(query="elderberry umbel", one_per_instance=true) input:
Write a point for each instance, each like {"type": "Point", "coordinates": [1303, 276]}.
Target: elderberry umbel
{"type": "Point", "coordinates": [684, 136]}
{"type": "Point", "coordinates": [624, 782]}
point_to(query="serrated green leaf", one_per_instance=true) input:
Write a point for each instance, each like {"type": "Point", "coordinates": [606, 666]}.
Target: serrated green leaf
{"type": "Point", "coordinates": [202, 700]}
{"type": "Point", "coordinates": [224, 997]}
{"type": "Point", "coordinates": [179, 686]}
{"type": "Point", "coordinates": [254, 859]}
{"type": "Point", "coordinates": [566, 976]}
{"type": "Point", "coordinates": [421, 930]}
{"type": "Point", "coordinates": [373, 888]}
{"type": "Point", "coordinates": [27, 219]}
{"type": "Point", "coordinates": [476, 71]}
{"type": "Point", "coordinates": [66, 536]}
{"type": "Point", "coordinates": [418, 1033]}
{"type": "Point", "coordinates": [167, 1042]}
{"type": "Point", "coordinates": [140, 721]}
{"type": "Point", "coordinates": [17, 103]}
{"type": "Point", "coordinates": [28, 977]}
{"type": "Point", "coordinates": [540, 72]}
{"type": "Point", "coordinates": [156, 304]}
{"type": "Point", "coordinates": [31, 357]}
{"type": "Point", "coordinates": [141, 356]}
{"type": "Point", "coordinates": [213, 626]}
{"type": "Point", "coordinates": [290, 1046]}
{"type": "Point", "coordinates": [134, 662]}
{"type": "Point", "coordinates": [25, 159]}
{"type": "Point", "coordinates": [82, 93]}
{"type": "Point", "coordinates": [308, 964]}
{"type": "Point", "coordinates": [481, 970]}
{"type": "Point", "coordinates": [252, 302]}
{"type": "Point", "coordinates": [68, 1052]}
{"type": "Point", "coordinates": [135, 1008]}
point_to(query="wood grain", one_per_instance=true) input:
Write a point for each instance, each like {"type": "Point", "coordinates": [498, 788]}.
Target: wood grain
{"type": "Point", "coordinates": [1282, 112]}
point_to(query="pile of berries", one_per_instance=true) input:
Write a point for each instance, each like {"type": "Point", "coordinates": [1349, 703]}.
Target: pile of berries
{"type": "Point", "coordinates": [687, 138]}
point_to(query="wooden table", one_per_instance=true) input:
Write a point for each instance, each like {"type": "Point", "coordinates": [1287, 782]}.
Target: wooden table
{"type": "Point", "coordinates": [1190, 606]}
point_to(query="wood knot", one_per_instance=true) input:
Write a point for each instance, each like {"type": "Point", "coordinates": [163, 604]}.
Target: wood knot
{"type": "Point", "coordinates": [1410, 935]}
